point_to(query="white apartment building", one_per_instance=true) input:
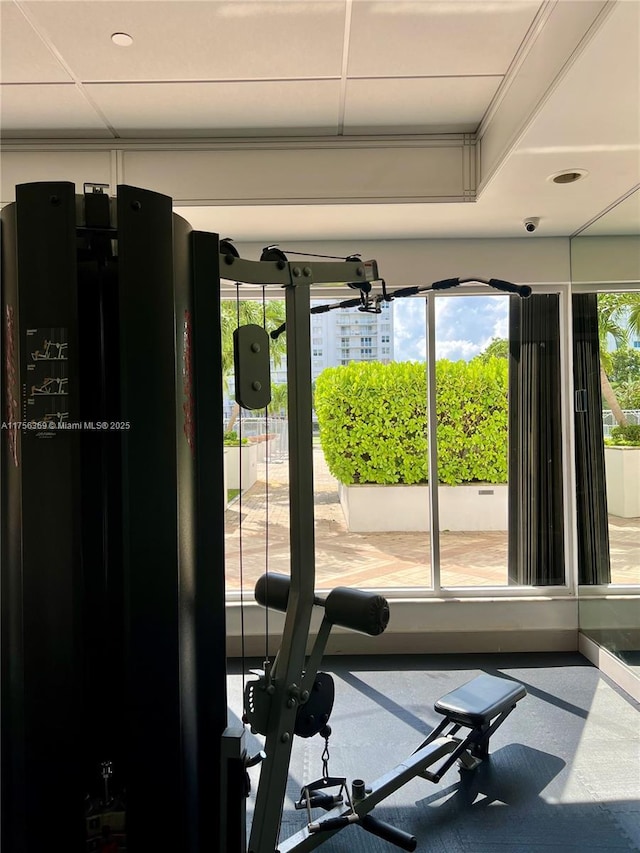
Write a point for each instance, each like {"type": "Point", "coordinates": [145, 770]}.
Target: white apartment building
{"type": "Point", "coordinates": [342, 336]}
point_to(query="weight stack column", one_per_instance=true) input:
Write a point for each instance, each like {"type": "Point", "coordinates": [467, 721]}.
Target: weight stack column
{"type": "Point", "coordinates": [42, 672]}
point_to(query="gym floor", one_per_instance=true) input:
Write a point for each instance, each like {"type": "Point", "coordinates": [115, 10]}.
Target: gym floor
{"type": "Point", "coordinates": [564, 772]}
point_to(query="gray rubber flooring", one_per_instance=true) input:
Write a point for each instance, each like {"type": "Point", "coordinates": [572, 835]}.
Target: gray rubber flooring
{"type": "Point", "coordinates": [564, 774]}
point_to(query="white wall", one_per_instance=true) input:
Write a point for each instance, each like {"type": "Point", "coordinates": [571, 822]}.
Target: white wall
{"type": "Point", "coordinates": [434, 626]}
{"type": "Point", "coordinates": [77, 166]}
{"type": "Point", "coordinates": [604, 260]}
{"type": "Point", "coordinates": [527, 260]}
{"type": "Point", "coordinates": [262, 172]}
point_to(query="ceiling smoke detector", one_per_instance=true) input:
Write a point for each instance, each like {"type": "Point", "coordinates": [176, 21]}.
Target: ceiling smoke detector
{"type": "Point", "coordinates": [569, 176]}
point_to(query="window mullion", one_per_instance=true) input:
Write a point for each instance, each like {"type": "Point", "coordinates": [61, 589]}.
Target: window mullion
{"type": "Point", "coordinates": [434, 515]}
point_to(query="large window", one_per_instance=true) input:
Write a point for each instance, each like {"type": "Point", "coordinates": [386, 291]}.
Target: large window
{"type": "Point", "coordinates": [362, 538]}
{"type": "Point", "coordinates": [472, 411]}
{"type": "Point", "coordinates": [607, 381]}
{"type": "Point", "coordinates": [461, 400]}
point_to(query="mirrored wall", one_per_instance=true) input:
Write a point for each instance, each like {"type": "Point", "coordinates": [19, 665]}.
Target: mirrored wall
{"type": "Point", "coordinates": [605, 271]}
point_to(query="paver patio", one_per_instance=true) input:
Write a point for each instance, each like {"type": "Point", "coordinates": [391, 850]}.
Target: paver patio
{"type": "Point", "coordinates": [375, 560]}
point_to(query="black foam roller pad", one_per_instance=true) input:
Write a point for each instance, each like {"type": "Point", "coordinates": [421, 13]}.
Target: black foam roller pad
{"type": "Point", "coordinates": [272, 590]}
{"type": "Point", "coordinates": [357, 610]}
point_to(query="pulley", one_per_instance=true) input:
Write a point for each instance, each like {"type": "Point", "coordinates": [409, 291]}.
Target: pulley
{"type": "Point", "coordinates": [273, 253]}
{"type": "Point", "coordinates": [313, 716]}
{"type": "Point", "coordinates": [227, 248]}
{"type": "Point", "coordinates": [251, 366]}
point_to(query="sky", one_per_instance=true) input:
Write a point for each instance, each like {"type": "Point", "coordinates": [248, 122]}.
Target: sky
{"type": "Point", "coordinates": [465, 326]}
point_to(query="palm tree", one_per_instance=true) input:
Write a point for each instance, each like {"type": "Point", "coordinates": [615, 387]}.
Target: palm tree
{"type": "Point", "coordinates": [618, 314]}
{"type": "Point", "coordinates": [269, 314]}
{"type": "Point", "coordinates": [279, 398]}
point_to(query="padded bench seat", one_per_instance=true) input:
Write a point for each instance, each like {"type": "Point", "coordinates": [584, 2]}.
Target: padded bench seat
{"type": "Point", "coordinates": [478, 701]}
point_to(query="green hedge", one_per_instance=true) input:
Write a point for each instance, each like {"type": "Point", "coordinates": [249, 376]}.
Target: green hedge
{"type": "Point", "coordinates": [373, 421]}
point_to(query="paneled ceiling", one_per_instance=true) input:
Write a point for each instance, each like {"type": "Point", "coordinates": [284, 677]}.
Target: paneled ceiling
{"type": "Point", "coordinates": [535, 87]}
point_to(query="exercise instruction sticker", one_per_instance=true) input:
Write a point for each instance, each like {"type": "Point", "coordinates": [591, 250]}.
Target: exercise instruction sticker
{"type": "Point", "coordinates": [46, 391]}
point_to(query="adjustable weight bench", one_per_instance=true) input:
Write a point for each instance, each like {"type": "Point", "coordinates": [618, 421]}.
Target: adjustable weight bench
{"type": "Point", "coordinates": [480, 706]}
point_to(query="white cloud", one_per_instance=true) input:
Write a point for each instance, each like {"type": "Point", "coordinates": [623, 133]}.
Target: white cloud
{"type": "Point", "coordinates": [465, 325]}
{"type": "Point", "coordinates": [456, 350]}
{"type": "Point", "coordinates": [409, 327]}
{"type": "Point", "coordinates": [501, 327]}
{"type": "Point", "coordinates": [443, 307]}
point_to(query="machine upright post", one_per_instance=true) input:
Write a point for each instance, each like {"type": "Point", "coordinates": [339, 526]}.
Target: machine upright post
{"type": "Point", "coordinates": [279, 739]}
{"type": "Point", "coordinates": [204, 591]}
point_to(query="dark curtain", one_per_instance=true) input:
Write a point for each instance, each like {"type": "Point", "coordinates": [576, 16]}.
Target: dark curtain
{"type": "Point", "coordinates": [591, 494]}
{"type": "Point", "coordinates": [536, 529]}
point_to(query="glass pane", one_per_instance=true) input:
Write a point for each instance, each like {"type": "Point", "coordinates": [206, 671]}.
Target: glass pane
{"type": "Point", "coordinates": [256, 454]}
{"type": "Point", "coordinates": [472, 348]}
{"type": "Point", "coordinates": [363, 537]}
{"type": "Point", "coordinates": [619, 333]}
{"type": "Point", "coordinates": [370, 380]}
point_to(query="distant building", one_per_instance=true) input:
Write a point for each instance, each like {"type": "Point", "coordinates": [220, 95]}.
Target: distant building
{"type": "Point", "coordinates": [342, 336]}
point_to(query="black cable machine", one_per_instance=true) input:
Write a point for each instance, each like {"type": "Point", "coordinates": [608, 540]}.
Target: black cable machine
{"type": "Point", "coordinates": [112, 537]}
{"type": "Point", "coordinates": [114, 717]}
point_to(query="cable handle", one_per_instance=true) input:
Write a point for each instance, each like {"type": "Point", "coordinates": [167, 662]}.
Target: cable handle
{"type": "Point", "coordinates": [332, 824]}
{"type": "Point", "coordinates": [522, 290]}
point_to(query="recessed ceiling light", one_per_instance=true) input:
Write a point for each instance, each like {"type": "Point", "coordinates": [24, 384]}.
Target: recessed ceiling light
{"type": "Point", "coordinates": [122, 39]}
{"type": "Point", "coordinates": [569, 176]}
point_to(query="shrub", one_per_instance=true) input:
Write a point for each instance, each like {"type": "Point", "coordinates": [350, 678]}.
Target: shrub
{"type": "Point", "coordinates": [473, 419]}
{"type": "Point", "coordinates": [373, 421]}
{"type": "Point", "coordinates": [625, 436]}
{"type": "Point", "coordinates": [231, 439]}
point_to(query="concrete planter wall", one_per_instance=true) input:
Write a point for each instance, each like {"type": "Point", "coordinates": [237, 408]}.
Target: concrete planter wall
{"type": "Point", "coordinates": [241, 462]}
{"type": "Point", "coordinates": [401, 508]}
{"type": "Point", "coordinates": [622, 466]}
{"type": "Point", "coordinates": [264, 445]}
